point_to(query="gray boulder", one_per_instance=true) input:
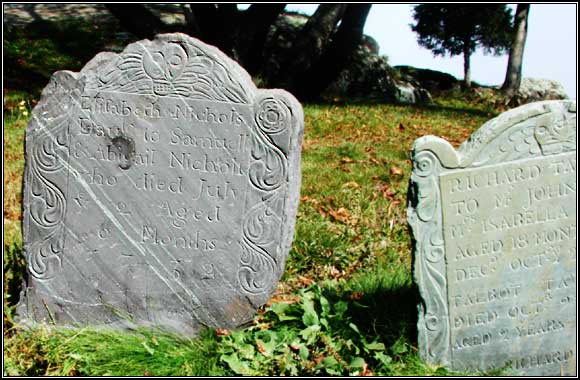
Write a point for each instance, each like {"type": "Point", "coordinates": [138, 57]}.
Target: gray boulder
{"type": "Point", "coordinates": [367, 76]}
{"type": "Point", "coordinates": [432, 80]}
{"type": "Point", "coordinates": [535, 89]}
{"type": "Point", "coordinates": [411, 93]}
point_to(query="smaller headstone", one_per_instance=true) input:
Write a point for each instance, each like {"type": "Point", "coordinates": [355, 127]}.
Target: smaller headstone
{"type": "Point", "coordinates": [161, 189]}
{"type": "Point", "coordinates": [494, 227]}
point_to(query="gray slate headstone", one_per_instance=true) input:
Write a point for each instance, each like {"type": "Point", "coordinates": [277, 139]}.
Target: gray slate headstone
{"type": "Point", "coordinates": [494, 227]}
{"type": "Point", "coordinates": [161, 189]}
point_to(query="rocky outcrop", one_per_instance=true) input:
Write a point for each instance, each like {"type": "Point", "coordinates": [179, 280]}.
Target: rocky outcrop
{"type": "Point", "coordinates": [411, 93]}
{"type": "Point", "coordinates": [535, 89]}
{"type": "Point", "coordinates": [368, 75]}
{"type": "Point", "coordinates": [431, 80]}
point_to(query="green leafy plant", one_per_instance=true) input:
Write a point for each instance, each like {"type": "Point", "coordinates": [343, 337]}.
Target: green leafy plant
{"type": "Point", "coordinates": [312, 336]}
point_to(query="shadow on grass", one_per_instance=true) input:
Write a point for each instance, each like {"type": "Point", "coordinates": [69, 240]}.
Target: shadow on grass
{"type": "Point", "coordinates": [421, 106]}
{"type": "Point", "coordinates": [14, 267]}
{"type": "Point", "coordinates": [388, 313]}
{"type": "Point", "coordinates": [459, 110]}
{"type": "Point", "coordinates": [32, 52]}
{"type": "Point", "coordinates": [383, 304]}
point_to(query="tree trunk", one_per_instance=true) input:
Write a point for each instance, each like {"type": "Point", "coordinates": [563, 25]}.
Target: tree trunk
{"type": "Point", "coordinates": [256, 23]}
{"type": "Point", "coordinates": [309, 43]}
{"type": "Point", "coordinates": [215, 24]}
{"type": "Point", "coordinates": [513, 76]}
{"type": "Point", "coordinates": [336, 56]}
{"type": "Point", "coordinates": [317, 55]}
{"type": "Point", "coordinates": [466, 67]}
{"type": "Point", "coordinates": [137, 19]}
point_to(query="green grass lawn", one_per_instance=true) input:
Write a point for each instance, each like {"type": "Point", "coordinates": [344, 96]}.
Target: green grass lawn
{"type": "Point", "coordinates": [346, 304]}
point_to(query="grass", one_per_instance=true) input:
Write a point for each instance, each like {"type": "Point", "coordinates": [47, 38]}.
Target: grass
{"type": "Point", "coordinates": [89, 352]}
{"type": "Point", "coordinates": [346, 303]}
{"type": "Point", "coordinates": [351, 240]}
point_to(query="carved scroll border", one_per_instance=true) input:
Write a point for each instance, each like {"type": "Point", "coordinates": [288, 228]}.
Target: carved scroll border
{"type": "Point", "coordinates": [268, 173]}
{"type": "Point", "coordinates": [44, 201]}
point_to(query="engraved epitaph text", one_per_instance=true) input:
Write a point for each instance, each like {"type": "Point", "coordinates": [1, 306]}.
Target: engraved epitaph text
{"type": "Point", "coordinates": [161, 189]}
{"type": "Point", "coordinates": [495, 230]}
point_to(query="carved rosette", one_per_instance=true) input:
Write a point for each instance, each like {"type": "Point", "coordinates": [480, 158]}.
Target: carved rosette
{"type": "Point", "coordinates": [268, 173]}
{"type": "Point", "coordinates": [542, 128]}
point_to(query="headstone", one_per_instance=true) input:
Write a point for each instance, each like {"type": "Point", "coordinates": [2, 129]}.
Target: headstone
{"type": "Point", "coordinates": [494, 227]}
{"type": "Point", "coordinates": [161, 189]}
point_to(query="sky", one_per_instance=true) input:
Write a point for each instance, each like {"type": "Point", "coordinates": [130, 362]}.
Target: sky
{"type": "Point", "coordinates": [550, 51]}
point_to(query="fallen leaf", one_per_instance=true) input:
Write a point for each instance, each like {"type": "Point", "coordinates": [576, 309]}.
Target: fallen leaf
{"type": "Point", "coordinates": [318, 359]}
{"type": "Point", "coordinates": [352, 185]}
{"type": "Point", "coordinates": [387, 192]}
{"type": "Point", "coordinates": [280, 298]}
{"type": "Point", "coordinates": [222, 332]}
{"type": "Point", "coordinates": [355, 296]}
{"type": "Point", "coordinates": [340, 215]}
{"type": "Point", "coordinates": [334, 273]}
{"type": "Point", "coordinates": [366, 371]}
{"type": "Point", "coordinates": [346, 160]}
{"type": "Point", "coordinates": [395, 170]}
{"type": "Point", "coordinates": [305, 280]}
{"type": "Point", "coordinates": [308, 199]}
{"type": "Point", "coordinates": [260, 347]}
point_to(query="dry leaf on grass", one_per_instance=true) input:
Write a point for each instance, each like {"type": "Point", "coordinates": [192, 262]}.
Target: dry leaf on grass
{"type": "Point", "coordinates": [306, 281]}
{"type": "Point", "coordinates": [366, 371]}
{"type": "Point", "coordinates": [386, 191]}
{"type": "Point", "coordinates": [294, 346]}
{"type": "Point", "coordinates": [344, 216]}
{"type": "Point", "coordinates": [307, 199]}
{"type": "Point", "coordinates": [346, 160]}
{"type": "Point", "coordinates": [395, 170]}
{"type": "Point", "coordinates": [260, 347]}
{"type": "Point", "coordinates": [351, 184]}
{"type": "Point", "coordinates": [222, 332]}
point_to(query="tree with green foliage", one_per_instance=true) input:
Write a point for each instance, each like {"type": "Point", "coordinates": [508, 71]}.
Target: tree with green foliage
{"type": "Point", "coordinates": [460, 29]}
